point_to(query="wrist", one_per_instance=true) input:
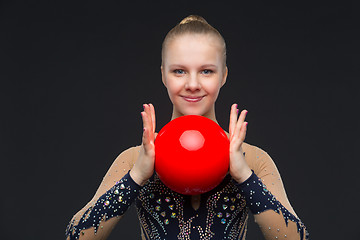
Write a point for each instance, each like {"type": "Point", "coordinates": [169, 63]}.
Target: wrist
{"type": "Point", "coordinates": [243, 175]}
{"type": "Point", "coordinates": [136, 178]}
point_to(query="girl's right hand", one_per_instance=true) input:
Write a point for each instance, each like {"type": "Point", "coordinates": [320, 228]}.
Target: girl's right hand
{"type": "Point", "coordinates": [144, 166]}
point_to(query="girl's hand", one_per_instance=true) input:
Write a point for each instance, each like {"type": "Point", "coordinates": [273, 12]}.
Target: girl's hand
{"type": "Point", "coordinates": [239, 169]}
{"type": "Point", "coordinates": [143, 168]}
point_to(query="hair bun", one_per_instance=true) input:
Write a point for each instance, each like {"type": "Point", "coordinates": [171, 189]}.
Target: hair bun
{"type": "Point", "coordinates": [193, 18]}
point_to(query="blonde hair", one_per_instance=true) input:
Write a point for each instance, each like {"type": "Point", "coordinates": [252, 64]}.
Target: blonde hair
{"type": "Point", "coordinates": [193, 24]}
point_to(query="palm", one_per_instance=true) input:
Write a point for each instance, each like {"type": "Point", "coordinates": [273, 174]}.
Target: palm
{"type": "Point", "coordinates": [144, 166]}
{"type": "Point", "coordinates": [239, 169]}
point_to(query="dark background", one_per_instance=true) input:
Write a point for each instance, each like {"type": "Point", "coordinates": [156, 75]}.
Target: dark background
{"type": "Point", "coordinates": [74, 76]}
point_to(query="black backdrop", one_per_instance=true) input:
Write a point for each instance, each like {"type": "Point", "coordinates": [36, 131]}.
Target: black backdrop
{"type": "Point", "coordinates": [74, 76]}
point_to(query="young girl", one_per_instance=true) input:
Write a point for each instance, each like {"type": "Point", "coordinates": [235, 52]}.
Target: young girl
{"type": "Point", "coordinates": [193, 71]}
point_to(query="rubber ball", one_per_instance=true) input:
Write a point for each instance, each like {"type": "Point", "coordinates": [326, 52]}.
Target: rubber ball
{"type": "Point", "coordinates": [191, 154]}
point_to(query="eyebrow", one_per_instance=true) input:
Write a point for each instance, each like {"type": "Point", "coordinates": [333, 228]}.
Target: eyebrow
{"type": "Point", "coordinates": [209, 65]}
{"type": "Point", "coordinates": [183, 66]}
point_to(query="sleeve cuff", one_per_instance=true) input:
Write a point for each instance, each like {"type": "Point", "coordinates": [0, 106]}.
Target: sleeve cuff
{"type": "Point", "coordinates": [113, 203]}
{"type": "Point", "coordinates": [257, 196]}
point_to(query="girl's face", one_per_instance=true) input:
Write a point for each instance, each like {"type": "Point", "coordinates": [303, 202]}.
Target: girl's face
{"type": "Point", "coordinates": [193, 72]}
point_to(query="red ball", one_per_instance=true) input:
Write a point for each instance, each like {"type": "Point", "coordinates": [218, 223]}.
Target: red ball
{"type": "Point", "coordinates": [191, 154]}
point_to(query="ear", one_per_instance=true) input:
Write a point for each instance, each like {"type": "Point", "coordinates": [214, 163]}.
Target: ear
{"type": "Point", "coordinates": [163, 75]}
{"type": "Point", "coordinates": [224, 77]}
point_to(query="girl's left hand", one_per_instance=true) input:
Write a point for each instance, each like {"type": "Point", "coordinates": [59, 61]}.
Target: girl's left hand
{"type": "Point", "coordinates": [239, 169]}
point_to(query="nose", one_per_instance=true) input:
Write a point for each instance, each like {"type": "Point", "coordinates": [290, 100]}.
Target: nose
{"type": "Point", "coordinates": [192, 83]}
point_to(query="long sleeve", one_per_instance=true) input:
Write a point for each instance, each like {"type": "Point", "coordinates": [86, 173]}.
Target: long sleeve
{"type": "Point", "coordinates": [266, 198]}
{"type": "Point", "coordinates": [115, 194]}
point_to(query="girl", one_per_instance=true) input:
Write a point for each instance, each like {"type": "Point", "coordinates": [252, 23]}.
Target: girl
{"type": "Point", "coordinates": [193, 71]}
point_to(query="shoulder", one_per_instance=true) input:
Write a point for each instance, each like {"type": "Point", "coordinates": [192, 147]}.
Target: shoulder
{"type": "Point", "coordinates": [256, 157]}
{"type": "Point", "coordinates": [253, 150]}
{"type": "Point", "coordinates": [128, 156]}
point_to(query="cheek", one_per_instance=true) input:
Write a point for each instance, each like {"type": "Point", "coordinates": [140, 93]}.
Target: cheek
{"type": "Point", "coordinates": [173, 86]}
{"type": "Point", "coordinates": [212, 87]}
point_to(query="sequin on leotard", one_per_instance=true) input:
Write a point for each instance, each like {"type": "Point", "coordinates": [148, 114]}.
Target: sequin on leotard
{"type": "Point", "coordinates": [222, 214]}
{"type": "Point", "coordinates": [111, 204]}
{"type": "Point", "coordinates": [165, 214]}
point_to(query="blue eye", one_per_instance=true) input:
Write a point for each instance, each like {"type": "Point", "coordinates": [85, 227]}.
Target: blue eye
{"type": "Point", "coordinates": [179, 71]}
{"type": "Point", "coordinates": [207, 71]}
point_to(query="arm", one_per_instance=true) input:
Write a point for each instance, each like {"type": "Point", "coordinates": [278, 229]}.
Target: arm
{"type": "Point", "coordinates": [119, 187]}
{"type": "Point", "coordinates": [265, 195]}
{"type": "Point", "coordinates": [266, 198]}
{"type": "Point", "coordinates": [115, 194]}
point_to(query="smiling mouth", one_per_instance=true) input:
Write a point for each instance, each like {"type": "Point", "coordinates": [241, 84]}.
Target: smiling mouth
{"type": "Point", "coordinates": [192, 99]}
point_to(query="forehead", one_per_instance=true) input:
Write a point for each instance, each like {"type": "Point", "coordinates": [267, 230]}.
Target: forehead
{"type": "Point", "coordinates": [194, 49]}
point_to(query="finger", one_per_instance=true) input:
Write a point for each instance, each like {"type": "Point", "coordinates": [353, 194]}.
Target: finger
{"type": "Point", "coordinates": [233, 117]}
{"type": "Point", "coordinates": [145, 138]}
{"type": "Point", "coordinates": [148, 116]}
{"type": "Point", "coordinates": [146, 120]}
{"type": "Point", "coordinates": [243, 131]}
{"type": "Point", "coordinates": [144, 127]}
{"type": "Point", "coordinates": [238, 140]}
{"type": "Point", "coordinates": [148, 113]}
{"type": "Point", "coordinates": [239, 123]}
{"type": "Point", "coordinates": [153, 119]}
{"type": "Point", "coordinates": [151, 112]}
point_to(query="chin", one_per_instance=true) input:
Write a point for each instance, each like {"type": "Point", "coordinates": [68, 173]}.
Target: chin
{"type": "Point", "coordinates": [193, 112]}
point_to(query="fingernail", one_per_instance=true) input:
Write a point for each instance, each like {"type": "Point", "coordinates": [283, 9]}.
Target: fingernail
{"type": "Point", "coordinates": [237, 110]}
{"type": "Point", "coordinates": [144, 106]}
{"type": "Point", "coordinates": [143, 129]}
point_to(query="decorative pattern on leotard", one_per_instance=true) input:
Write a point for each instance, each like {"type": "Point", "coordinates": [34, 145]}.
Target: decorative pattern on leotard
{"type": "Point", "coordinates": [165, 214]}
{"type": "Point", "coordinates": [259, 199]}
{"type": "Point", "coordinates": [111, 204]}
